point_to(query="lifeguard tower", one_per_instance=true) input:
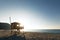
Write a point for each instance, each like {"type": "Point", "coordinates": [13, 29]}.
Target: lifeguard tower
{"type": "Point", "coordinates": [16, 27]}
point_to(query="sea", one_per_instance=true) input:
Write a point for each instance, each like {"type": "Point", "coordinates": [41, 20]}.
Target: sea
{"type": "Point", "coordinates": [44, 30]}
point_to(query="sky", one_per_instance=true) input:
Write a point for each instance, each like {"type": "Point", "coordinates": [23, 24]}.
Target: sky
{"type": "Point", "coordinates": [33, 14]}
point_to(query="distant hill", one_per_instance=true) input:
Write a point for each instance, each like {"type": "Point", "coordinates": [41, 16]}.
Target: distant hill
{"type": "Point", "coordinates": [5, 26]}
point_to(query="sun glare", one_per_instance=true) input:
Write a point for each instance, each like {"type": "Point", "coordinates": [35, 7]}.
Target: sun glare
{"type": "Point", "coordinates": [28, 21]}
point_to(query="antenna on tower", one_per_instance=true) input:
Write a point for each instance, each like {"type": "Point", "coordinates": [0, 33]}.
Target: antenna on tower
{"type": "Point", "coordinates": [10, 20]}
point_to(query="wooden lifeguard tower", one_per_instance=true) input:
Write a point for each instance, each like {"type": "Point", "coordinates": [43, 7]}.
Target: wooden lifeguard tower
{"type": "Point", "coordinates": [16, 27]}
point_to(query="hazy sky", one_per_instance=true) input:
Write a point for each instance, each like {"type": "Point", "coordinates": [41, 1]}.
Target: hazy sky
{"type": "Point", "coordinates": [33, 14]}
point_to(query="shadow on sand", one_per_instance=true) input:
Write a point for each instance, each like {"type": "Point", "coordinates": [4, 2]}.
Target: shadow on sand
{"type": "Point", "coordinates": [13, 37]}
